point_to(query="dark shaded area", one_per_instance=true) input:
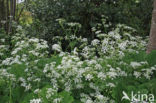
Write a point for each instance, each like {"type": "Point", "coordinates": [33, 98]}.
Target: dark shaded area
{"type": "Point", "coordinates": [88, 14]}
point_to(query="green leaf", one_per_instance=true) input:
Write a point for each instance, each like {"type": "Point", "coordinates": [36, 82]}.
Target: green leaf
{"type": "Point", "coordinates": [67, 98]}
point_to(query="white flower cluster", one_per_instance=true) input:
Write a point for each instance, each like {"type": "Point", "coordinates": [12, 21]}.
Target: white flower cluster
{"type": "Point", "coordinates": [36, 100]}
{"type": "Point", "coordinates": [33, 46]}
{"type": "Point", "coordinates": [11, 60]}
{"type": "Point", "coordinates": [50, 92]}
{"type": "Point", "coordinates": [57, 47]}
{"type": "Point", "coordinates": [90, 72]}
{"type": "Point", "coordinates": [72, 67]}
{"type": "Point", "coordinates": [114, 43]}
{"type": "Point", "coordinates": [24, 48]}
{"type": "Point", "coordinates": [4, 48]}
{"type": "Point", "coordinates": [5, 75]}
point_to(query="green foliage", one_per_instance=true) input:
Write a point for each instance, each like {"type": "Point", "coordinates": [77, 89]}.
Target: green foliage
{"type": "Point", "coordinates": [18, 70]}
{"type": "Point", "coordinates": [94, 71]}
{"type": "Point", "coordinates": [151, 58]}
{"type": "Point", "coordinates": [67, 98]}
{"type": "Point", "coordinates": [127, 84]}
{"type": "Point", "coordinates": [4, 44]}
{"type": "Point", "coordinates": [136, 14]}
{"type": "Point", "coordinates": [141, 56]}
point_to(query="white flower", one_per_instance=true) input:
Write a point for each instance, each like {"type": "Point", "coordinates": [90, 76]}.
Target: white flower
{"type": "Point", "coordinates": [2, 40]}
{"type": "Point", "coordinates": [37, 80]}
{"type": "Point", "coordinates": [75, 51]}
{"type": "Point", "coordinates": [84, 40]}
{"type": "Point", "coordinates": [100, 97]}
{"type": "Point", "coordinates": [21, 79]}
{"type": "Point", "coordinates": [135, 64]}
{"type": "Point", "coordinates": [117, 36]}
{"type": "Point", "coordinates": [40, 46]}
{"type": "Point", "coordinates": [34, 40]}
{"type": "Point", "coordinates": [92, 62]}
{"type": "Point", "coordinates": [1, 54]}
{"type": "Point", "coordinates": [98, 66]}
{"type": "Point", "coordinates": [5, 74]}
{"type": "Point", "coordinates": [57, 47]}
{"type": "Point", "coordinates": [111, 33]}
{"type": "Point", "coordinates": [89, 77]}
{"type": "Point", "coordinates": [97, 32]}
{"type": "Point", "coordinates": [34, 53]}
{"type": "Point", "coordinates": [36, 91]}
{"type": "Point", "coordinates": [93, 29]}
{"type": "Point", "coordinates": [105, 41]}
{"type": "Point", "coordinates": [112, 74]}
{"type": "Point", "coordinates": [62, 54]}
{"type": "Point", "coordinates": [122, 45]}
{"type": "Point", "coordinates": [61, 20]}
{"type": "Point", "coordinates": [101, 75]}
{"type": "Point", "coordinates": [74, 24]}
{"type": "Point", "coordinates": [95, 42]}
{"type": "Point", "coordinates": [2, 46]}
{"type": "Point", "coordinates": [7, 61]}
{"type": "Point", "coordinates": [35, 101]}
{"type": "Point", "coordinates": [50, 92]}
{"type": "Point", "coordinates": [148, 73]}
{"type": "Point", "coordinates": [104, 49]}
{"type": "Point", "coordinates": [101, 35]}
{"type": "Point", "coordinates": [153, 68]}
{"type": "Point", "coordinates": [89, 101]}
{"type": "Point", "coordinates": [57, 100]}
{"type": "Point", "coordinates": [19, 28]}
{"type": "Point", "coordinates": [15, 51]}
{"type": "Point", "coordinates": [28, 87]}
{"type": "Point", "coordinates": [110, 85]}
{"type": "Point", "coordinates": [137, 74]}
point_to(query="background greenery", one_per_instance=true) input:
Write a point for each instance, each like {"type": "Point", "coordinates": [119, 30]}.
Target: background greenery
{"type": "Point", "coordinates": [77, 51]}
{"type": "Point", "coordinates": [134, 13]}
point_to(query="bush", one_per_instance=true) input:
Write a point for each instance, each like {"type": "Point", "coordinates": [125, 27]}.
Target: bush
{"type": "Point", "coordinates": [134, 13]}
{"type": "Point", "coordinates": [97, 73]}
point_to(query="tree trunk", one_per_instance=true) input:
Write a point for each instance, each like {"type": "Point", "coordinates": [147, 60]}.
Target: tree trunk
{"type": "Point", "coordinates": [11, 16]}
{"type": "Point", "coordinates": [7, 16]}
{"type": "Point", "coordinates": [14, 11]}
{"type": "Point", "coordinates": [152, 40]}
{"type": "Point", "coordinates": [2, 13]}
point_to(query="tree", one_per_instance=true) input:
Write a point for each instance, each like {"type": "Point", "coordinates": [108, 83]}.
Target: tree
{"type": "Point", "coordinates": [2, 12]}
{"type": "Point", "coordinates": [8, 12]}
{"type": "Point", "coordinates": [152, 40]}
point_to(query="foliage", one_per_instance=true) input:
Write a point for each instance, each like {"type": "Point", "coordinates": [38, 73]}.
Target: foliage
{"type": "Point", "coordinates": [134, 13]}
{"type": "Point", "coordinates": [4, 45]}
{"type": "Point", "coordinates": [91, 73]}
{"type": "Point", "coordinates": [77, 51]}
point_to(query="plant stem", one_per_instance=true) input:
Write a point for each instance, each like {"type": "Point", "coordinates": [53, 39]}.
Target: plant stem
{"type": "Point", "coordinates": [10, 100]}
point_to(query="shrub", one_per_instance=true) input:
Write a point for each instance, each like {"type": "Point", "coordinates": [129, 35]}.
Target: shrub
{"type": "Point", "coordinates": [83, 75]}
{"type": "Point", "coordinates": [134, 13]}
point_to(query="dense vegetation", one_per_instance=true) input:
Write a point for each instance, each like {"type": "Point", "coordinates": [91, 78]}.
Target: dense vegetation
{"type": "Point", "coordinates": [76, 51]}
{"type": "Point", "coordinates": [134, 13]}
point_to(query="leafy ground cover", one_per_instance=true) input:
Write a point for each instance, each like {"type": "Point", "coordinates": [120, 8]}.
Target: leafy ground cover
{"type": "Point", "coordinates": [98, 72]}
